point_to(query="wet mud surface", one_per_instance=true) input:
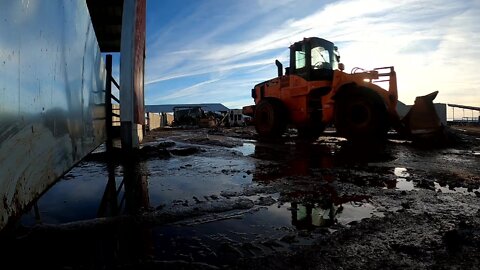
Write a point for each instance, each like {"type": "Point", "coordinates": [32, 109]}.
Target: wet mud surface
{"type": "Point", "coordinates": [208, 199]}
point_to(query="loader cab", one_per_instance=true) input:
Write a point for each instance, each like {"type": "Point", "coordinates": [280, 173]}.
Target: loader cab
{"type": "Point", "coordinates": [313, 59]}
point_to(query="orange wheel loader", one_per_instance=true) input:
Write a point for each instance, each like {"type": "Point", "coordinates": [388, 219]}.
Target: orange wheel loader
{"type": "Point", "coordinates": [314, 92]}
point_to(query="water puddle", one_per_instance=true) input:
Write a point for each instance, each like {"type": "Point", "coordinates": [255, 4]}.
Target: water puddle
{"type": "Point", "coordinates": [246, 149]}
{"type": "Point", "coordinates": [277, 219]}
{"type": "Point", "coordinates": [461, 190]}
{"type": "Point", "coordinates": [401, 172]}
{"type": "Point", "coordinates": [90, 190]}
{"type": "Point", "coordinates": [260, 232]}
{"type": "Point", "coordinates": [310, 217]}
{"type": "Point", "coordinates": [355, 211]}
{"type": "Point", "coordinates": [77, 196]}
{"type": "Point", "coordinates": [402, 182]}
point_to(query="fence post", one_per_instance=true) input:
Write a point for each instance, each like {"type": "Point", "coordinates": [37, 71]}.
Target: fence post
{"type": "Point", "coordinates": [108, 104]}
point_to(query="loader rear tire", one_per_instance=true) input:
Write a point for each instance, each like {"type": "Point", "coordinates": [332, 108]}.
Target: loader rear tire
{"type": "Point", "coordinates": [361, 117]}
{"type": "Point", "coordinates": [270, 119]}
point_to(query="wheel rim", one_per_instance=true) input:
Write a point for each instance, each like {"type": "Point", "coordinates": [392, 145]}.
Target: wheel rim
{"type": "Point", "coordinates": [360, 115]}
{"type": "Point", "coordinates": [265, 119]}
{"type": "Point", "coordinates": [269, 119]}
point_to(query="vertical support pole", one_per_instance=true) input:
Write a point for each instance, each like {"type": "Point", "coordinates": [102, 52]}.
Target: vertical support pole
{"type": "Point", "coordinates": [132, 60]}
{"type": "Point", "coordinates": [108, 104]}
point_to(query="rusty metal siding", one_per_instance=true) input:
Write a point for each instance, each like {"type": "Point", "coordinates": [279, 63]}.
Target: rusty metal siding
{"type": "Point", "coordinates": [51, 96]}
{"type": "Point", "coordinates": [139, 58]}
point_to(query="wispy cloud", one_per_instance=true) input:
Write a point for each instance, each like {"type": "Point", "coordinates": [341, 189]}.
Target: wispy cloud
{"type": "Point", "coordinates": [211, 69]}
{"type": "Point", "coordinates": [188, 91]}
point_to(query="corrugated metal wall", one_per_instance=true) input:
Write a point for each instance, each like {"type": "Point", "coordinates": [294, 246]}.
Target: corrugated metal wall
{"type": "Point", "coordinates": [51, 96]}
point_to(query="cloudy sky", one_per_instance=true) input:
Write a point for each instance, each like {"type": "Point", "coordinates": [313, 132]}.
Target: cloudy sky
{"type": "Point", "coordinates": [203, 51]}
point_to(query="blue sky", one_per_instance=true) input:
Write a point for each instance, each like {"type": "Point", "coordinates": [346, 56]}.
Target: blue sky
{"type": "Point", "coordinates": [204, 51]}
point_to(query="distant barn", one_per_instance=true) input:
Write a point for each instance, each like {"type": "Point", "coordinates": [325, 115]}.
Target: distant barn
{"type": "Point", "coordinates": [168, 108]}
{"type": "Point", "coordinates": [160, 115]}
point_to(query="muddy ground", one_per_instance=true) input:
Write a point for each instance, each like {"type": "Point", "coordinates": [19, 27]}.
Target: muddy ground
{"type": "Point", "coordinates": [208, 199]}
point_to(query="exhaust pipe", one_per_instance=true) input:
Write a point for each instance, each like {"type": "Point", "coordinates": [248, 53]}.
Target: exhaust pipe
{"type": "Point", "coordinates": [279, 68]}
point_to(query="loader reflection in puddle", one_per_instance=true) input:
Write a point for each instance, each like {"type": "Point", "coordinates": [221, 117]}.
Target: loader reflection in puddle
{"type": "Point", "coordinates": [309, 216]}
{"type": "Point", "coordinates": [304, 159]}
{"type": "Point", "coordinates": [305, 180]}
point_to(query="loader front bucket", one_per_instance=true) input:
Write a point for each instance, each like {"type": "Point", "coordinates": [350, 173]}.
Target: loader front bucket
{"type": "Point", "coordinates": [422, 122]}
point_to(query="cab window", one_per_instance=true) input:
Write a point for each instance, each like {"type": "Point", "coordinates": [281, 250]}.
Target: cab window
{"type": "Point", "coordinates": [320, 58]}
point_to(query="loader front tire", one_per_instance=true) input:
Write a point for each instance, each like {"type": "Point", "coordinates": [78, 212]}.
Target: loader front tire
{"type": "Point", "coordinates": [270, 119]}
{"type": "Point", "coordinates": [361, 117]}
